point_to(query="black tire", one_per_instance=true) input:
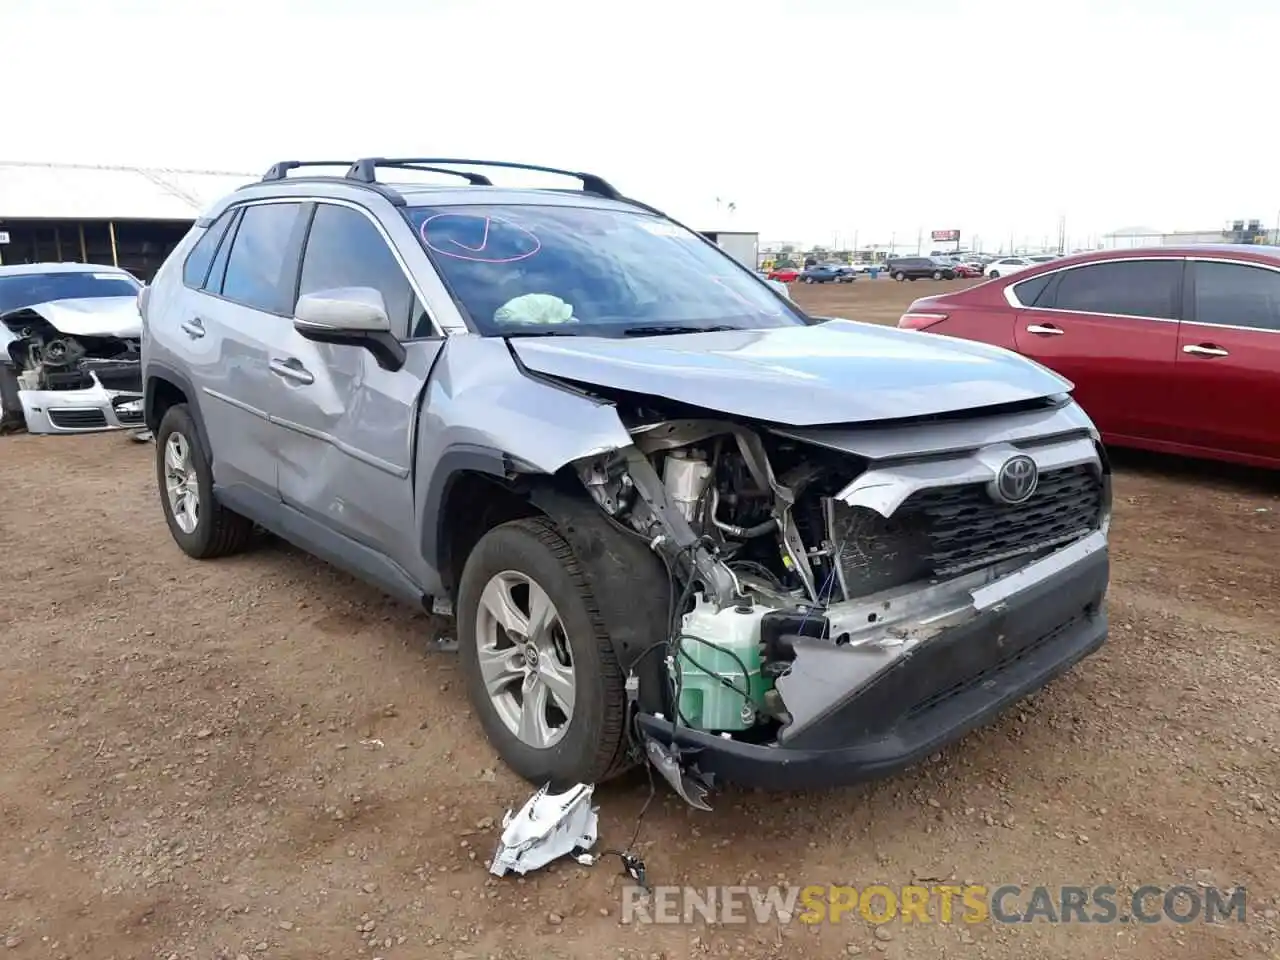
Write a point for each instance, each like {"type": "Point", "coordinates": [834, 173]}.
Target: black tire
{"type": "Point", "coordinates": [994, 275]}
{"type": "Point", "coordinates": [219, 531]}
{"type": "Point", "coordinates": [899, 276]}
{"type": "Point", "coordinates": [11, 418]}
{"type": "Point", "coordinates": [937, 274]}
{"type": "Point", "coordinates": [594, 748]}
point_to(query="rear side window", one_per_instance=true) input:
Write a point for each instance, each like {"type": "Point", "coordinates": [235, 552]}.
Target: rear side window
{"type": "Point", "coordinates": [259, 257]}
{"type": "Point", "coordinates": [344, 249]}
{"type": "Point", "coordinates": [1235, 295]}
{"type": "Point", "coordinates": [1131, 288]}
{"type": "Point", "coordinates": [196, 269]}
{"type": "Point", "coordinates": [1029, 291]}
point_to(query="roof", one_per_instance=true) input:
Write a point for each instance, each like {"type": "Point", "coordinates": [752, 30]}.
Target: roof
{"type": "Point", "coordinates": [48, 191]}
{"type": "Point", "coordinates": [28, 269]}
{"type": "Point", "coordinates": [420, 194]}
{"type": "Point", "coordinates": [1176, 250]}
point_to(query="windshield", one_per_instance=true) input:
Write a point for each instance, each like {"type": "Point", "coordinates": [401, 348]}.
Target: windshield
{"type": "Point", "coordinates": [547, 270]}
{"type": "Point", "coordinates": [27, 289]}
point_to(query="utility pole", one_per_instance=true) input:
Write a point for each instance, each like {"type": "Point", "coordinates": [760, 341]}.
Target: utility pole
{"type": "Point", "coordinates": [919, 239]}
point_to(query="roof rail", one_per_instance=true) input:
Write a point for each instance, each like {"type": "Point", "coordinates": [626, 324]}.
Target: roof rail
{"type": "Point", "coordinates": [365, 171]}
{"type": "Point", "coordinates": [279, 171]}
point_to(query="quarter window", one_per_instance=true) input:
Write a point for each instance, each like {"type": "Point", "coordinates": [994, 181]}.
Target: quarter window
{"type": "Point", "coordinates": [257, 264]}
{"type": "Point", "coordinates": [1131, 288]}
{"type": "Point", "coordinates": [213, 284]}
{"type": "Point", "coordinates": [1235, 295]}
{"type": "Point", "coordinates": [344, 249]}
{"type": "Point", "coordinates": [196, 268]}
{"type": "Point", "coordinates": [1029, 291]}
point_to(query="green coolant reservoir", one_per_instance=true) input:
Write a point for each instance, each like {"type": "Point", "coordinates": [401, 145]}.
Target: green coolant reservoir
{"type": "Point", "coordinates": [705, 701]}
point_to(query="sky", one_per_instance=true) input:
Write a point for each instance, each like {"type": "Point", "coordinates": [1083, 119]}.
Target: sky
{"type": "Point", "coordinates": [821, 121]}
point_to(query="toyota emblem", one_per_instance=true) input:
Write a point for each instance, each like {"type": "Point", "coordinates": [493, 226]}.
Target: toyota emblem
{"type": "Point", "coordinates": [1016, 480]}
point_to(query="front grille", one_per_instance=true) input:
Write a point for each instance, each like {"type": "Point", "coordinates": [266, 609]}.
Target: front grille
{"type": "Point", "coordinates": [117, 374]}
{"type": "Point", "coordinates": [946, 531]}
{"type": "Point", "coordinates": [77, 419]}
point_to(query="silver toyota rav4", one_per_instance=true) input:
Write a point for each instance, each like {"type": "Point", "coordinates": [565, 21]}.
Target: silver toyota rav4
{"type": "Point", "coordinates": [678, 520]}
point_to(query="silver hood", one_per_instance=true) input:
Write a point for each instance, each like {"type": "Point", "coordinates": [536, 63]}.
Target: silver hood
{"type": "Point", "coordinates": [93, 316]}
{"type": "Point", "coordinates": [834, 372]}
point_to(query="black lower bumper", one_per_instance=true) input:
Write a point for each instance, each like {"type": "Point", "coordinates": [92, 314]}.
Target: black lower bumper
{"type": "Point", "coordinates": [954, 682]}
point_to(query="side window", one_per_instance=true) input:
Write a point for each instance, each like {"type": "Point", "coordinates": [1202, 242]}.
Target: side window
{"type": "Point", "coordinates": [196, 267]}
{"type": "Point", "coordinates": [256, 266]}
{"type": "Point", "coordinates": [1132, 288]}
{"type": "Point", "coordinates": [1028, 291]}
{"type": "Point", "coordinates": [213, 284]}
{"type": "Point", "coordinates": [345, 249]}
{"type": "Point", "coordinates": [1235, 295]}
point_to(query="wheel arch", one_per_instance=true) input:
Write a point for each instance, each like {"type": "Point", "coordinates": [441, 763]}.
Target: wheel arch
{"type": "Point", "coordinates": [165, 387]}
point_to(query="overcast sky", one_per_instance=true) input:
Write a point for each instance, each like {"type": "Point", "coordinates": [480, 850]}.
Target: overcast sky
{"type": "Point", "coordinates": [817, 118]}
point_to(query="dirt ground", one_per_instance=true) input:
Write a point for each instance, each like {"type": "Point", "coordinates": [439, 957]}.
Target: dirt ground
{"type": "Point", "coordinates": [262, 758]}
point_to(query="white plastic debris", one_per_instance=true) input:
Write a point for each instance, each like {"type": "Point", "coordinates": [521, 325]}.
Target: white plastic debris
{"type": "Point", "coordinates": [549, 826]}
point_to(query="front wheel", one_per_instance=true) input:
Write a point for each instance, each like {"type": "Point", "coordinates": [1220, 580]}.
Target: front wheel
{"type": "Point", "coordinates": [540, 669]}
{"type": "Point", "coordinates": [937, 274]}
{"type": "Point", "coordinates": [12, 420]}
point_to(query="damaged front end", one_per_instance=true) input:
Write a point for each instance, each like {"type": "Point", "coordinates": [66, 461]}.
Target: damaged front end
{"type": "Point", "coordinates": [847, 599]}
{"type": "Point", "coordinates": [76, 366]}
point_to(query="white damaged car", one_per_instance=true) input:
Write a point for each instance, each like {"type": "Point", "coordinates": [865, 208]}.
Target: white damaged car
{"type": "Point", "coordinates": [69, 348]}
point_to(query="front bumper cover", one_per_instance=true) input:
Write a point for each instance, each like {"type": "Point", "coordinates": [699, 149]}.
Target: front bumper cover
{"type": "Point", "coordinates": [90, 410]}
{"type": "Point", "coordinates": [959, 679]}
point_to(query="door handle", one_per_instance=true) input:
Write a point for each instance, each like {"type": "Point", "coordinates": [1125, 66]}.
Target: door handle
{"type": "Point", "coordinates": [292, 369]}
{"type": "Point", "coordinates": [1045, 329]}
{"type": "Point", "coordinates": [193, 328]}
{"type": "Point", "coordinates": [1205, 350]}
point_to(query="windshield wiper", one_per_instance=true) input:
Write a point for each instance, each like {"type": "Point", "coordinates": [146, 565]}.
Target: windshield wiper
{"type": "Point", "coordinates": [658, 330]}
{"type": "Point", "coordinates": [537, 333]}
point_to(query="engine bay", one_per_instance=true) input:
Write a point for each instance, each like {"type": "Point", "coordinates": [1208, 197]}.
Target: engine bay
{"type": "Point", "coordinates": [47, 359]}
{"type": "Point", "coordinates": [775, 545]}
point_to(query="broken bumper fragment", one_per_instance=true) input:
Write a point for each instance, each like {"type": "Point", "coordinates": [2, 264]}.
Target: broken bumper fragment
{"type": "Point", "coordinates": [871, 710]}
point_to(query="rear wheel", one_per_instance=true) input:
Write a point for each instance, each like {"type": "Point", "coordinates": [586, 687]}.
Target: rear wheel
{"type": "Point", "coordinates": [899, 276]}
{"type": "Point", "coordinates": [201, 526]}
{"type": "Point", "coordinates": [994, 274]}
{"type": "Point", "coordinates": [540, 668]}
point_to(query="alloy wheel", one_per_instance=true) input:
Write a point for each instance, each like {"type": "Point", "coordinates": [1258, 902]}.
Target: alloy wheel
{"type": "Point", "coordinates": [181, 484]}
{"type": "Point", "coordinates": [524, 659]}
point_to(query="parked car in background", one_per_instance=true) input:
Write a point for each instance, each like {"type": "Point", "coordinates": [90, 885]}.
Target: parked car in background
{"type": "Point", "coordinates": [69, 348]}
{"type": "Point", "coordinates": [826, 273]}
{"type": "Point", "coordinates": [968, 270]}
{"type": "Point", "coordinates": [784, 274]}
{"type": "Point", "coordinates": [914, 268]}
{"type": "Point", "coordinates": [1007, 265]}
{"type": "Point", "coordinates": [1170, 349]}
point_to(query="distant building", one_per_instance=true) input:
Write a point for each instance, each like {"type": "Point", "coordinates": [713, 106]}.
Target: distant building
{"type": "Point", "coordinates": [130, 217]}
{"type": "Point", "coordinates": [1239, 231]}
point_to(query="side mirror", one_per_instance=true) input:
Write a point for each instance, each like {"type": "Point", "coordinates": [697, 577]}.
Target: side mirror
{"type": "Point", "coordinates": [350, 316]}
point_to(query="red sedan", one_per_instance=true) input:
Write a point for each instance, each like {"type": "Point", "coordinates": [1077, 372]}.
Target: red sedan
{"type": "Point", "coordinates": [967, 271]}
{"type": "Point", "coordinates": [784, 274]}
{"type": "Point", "coordinates": [1173, 349]}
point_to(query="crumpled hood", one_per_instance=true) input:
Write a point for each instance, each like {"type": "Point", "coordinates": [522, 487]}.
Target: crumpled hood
{"type": "Point", "coordinates": [835, 372]}
{"type": "Point", "coordinates": [93, 316]}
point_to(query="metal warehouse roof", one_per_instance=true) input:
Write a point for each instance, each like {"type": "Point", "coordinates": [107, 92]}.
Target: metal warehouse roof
{"type": "Point", "coordinates": [80, 192]}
